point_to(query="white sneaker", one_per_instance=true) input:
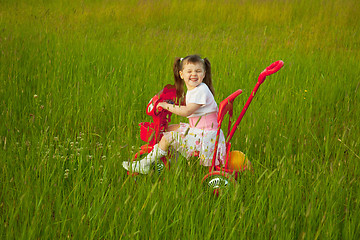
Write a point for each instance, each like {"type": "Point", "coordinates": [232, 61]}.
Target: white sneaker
{"type": "Point", "coordinates": [143, 166]}
{"type": "Point", "coordinates": [136, 167]}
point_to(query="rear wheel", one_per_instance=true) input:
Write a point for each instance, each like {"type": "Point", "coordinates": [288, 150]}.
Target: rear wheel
{"type": "Point", "coordinates": [218, 182]}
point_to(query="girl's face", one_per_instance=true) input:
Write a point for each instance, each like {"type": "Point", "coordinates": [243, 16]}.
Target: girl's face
{"type": "Point", "coordinates": [193, 74]}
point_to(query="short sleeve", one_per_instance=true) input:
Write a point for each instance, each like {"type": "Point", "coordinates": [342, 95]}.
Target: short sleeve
{"type": "Point", "coordinates": [197, 95]}
{"type": "Point", "coordinates": [201, 95]}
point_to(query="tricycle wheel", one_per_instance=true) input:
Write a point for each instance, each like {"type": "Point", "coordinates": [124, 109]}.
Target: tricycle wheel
{"type": "Point", "coordinates": [218, 182]}
{"type": "Point", "coordinates": [159, 167]}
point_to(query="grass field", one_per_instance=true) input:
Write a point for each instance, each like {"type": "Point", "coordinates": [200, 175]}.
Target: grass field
{"type": "Point", "coordinates": [75, 80]}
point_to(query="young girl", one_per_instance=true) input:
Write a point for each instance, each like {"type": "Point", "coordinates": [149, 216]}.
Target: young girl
{"type": "Point", "coordinates": [201, 110]}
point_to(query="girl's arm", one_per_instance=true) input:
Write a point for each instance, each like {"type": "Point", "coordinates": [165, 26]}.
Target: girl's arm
{"type": "Point", "coordinates": [183, 111]}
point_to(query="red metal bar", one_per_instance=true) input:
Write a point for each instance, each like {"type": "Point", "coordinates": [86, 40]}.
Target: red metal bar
{"type": "Point", "coordinates": [273, 68]}
{"type": "Point", "coordinates": [226, 106]}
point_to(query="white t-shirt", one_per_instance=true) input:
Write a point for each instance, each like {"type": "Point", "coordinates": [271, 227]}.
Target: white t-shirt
{"type": "Point", "coordinates": [203, 96]}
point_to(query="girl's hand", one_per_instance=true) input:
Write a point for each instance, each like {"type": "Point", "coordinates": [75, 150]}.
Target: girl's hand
{"type": "Point", "coordinates": [163, 105]}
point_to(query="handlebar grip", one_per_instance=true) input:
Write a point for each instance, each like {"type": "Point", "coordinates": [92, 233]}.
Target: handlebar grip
{"type": "Point", "coordinates": [274, 67]}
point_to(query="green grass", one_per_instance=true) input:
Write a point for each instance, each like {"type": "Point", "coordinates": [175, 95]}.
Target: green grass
{"type": "Point", "coordinates": [75, 78]}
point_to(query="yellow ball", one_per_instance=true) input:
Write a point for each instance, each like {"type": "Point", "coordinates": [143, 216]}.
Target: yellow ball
{"type": "Point", "coordinates": [237, 161]}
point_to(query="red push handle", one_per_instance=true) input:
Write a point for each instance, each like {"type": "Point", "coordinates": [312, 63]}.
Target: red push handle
{"type": "Point", "coordinates": [273, 68]}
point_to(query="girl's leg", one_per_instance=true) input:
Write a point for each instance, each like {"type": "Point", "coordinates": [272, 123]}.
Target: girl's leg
{"type": "Point", "coordinates": [143, 166]}
{"type": "Point", "coordinates": [164, 143]}
{"type": "Point", "coordinates": [159, 150]}
{"type": "Point", "coordinates": [172, 127]}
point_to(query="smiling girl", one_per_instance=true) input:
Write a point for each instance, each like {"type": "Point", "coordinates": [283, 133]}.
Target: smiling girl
{"type": "Point", "coordinates": [199, 134]}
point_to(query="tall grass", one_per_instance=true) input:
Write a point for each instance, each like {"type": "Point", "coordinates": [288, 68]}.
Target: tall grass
{"type": "Point", "coordinates": [75, 80]}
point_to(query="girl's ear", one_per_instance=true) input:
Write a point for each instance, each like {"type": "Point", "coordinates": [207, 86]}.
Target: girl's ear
{"type": "Point", "coordinates": [181, 74]}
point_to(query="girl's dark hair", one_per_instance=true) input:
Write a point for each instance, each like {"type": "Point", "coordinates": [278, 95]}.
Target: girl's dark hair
{"type": "Point", "coordinates": [178, 66]}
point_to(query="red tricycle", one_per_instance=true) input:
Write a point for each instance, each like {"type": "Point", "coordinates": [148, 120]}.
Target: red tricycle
{"type": "Point", "coordinates": [219, 177]}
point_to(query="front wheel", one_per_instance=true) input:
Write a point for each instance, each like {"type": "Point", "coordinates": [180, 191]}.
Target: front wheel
{"type": "Point", "coordinates": [159, 166]}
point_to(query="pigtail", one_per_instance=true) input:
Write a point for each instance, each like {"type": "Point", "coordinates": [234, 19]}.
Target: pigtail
{"type": "Point", "coordinates": [207, 79]}
{"type": "Point", "coordinates": [179, 82]}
